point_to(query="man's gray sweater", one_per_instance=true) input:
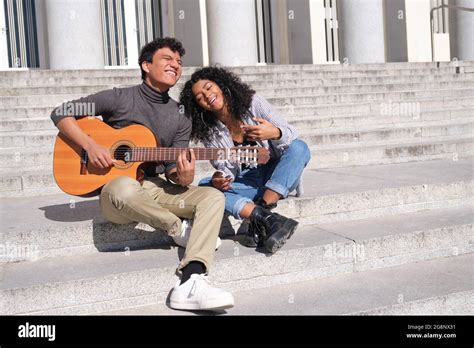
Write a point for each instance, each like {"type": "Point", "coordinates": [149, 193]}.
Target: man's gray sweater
{"type": "Point", "coordinates": [141, 104]}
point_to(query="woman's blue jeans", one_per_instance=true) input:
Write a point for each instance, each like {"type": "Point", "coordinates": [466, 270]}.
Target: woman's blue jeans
{"type": "Point", "coordinates": [281, 175]}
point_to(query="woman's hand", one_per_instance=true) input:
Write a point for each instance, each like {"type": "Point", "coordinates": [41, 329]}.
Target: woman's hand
{"type": "Point", "coordinates": [263, 131]}
{"type": "Point", "coordinates": [220, 182]}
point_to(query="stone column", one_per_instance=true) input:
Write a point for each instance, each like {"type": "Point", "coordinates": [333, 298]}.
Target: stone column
{"type": "Point", "coordinates": [3, 40]}
{"type": "Point", "coordinates": [131, 33]}
{"type": "Point", "coordinates": [75, 34]}
{"type": "Point", "coordinates": [318, 31]}
{"type": "Point", "coordinates": [232, 32]}
{"type": "Point", "coordinates": [418, 30]}
{"type": "Point", "coordinates": [361, 31]}
{"type": "Point", "coordinates": [42, 33]}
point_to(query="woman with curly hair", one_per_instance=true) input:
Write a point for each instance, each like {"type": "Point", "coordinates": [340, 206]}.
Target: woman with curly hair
{"type": "Point", "coordinates": [227, 113]}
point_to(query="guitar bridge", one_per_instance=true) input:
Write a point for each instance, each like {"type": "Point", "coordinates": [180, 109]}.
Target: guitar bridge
{"type": "Point", "coordinates": [84, 160]}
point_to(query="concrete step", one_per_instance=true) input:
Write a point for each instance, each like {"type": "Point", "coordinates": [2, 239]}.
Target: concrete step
{"type": "Point", "coordinates": [468, 70]}
{"type": "Point", "coordinates": [385, 152]}
{"type": "Point", "coordinates": [36, 152]}
{"type": "Point", "coordinates": [389, 117]}
{"type": "Point", "coordinates": [27, 182]}
{"type": "Point", "coordinates": [289, 99]}
{"type": "Point", "coordinates": [272, 68]}
{"type": "Point", "coordinates": [341, 73]}
{"type": "Point", "coordinates": [388, 88]}
{"type": "Point", "coordinates": [94, 283]}
{"type": "Point", "coordinates": [391, 106]}
{"type": "Point", "coordinates": [356, 81]}
{"type": "Point", "coordinates": [63, 225]}
{"type": "Point", "coordinates": [37, 178]}
{"type": "Point", "coordinates": [358, 67]}
{"type": "Point", "coordinates": [23, 148]}
{"type": "Point", "coordinates": [363, 84]}
{"type": "Point", "coordinates": [283, 87]}
{"type": "Point", "coordinates": [25, 124]}
{"type": "Point", "coordinates": [31, 138]}
{"type": "Point", "coordinates": [401, 131]}
{"type": "Point", "coordinates": [383, 97]}
{"type": "Point", "coordinates": [41, 158]}
{"type": "Point", "coordinates": [49, 79]}
{"type": "Point", "coordinates": [87, 77]}
{"type": "Point", "coordinates": [377, 292]}
{"type": "Point", "coordinates": [33, 84]}
{"type": "Point", "coordinates": [360, 120]}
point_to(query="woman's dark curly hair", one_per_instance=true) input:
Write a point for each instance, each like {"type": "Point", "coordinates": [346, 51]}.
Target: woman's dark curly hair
{"type": "Point", "coordinates": [237, 95]}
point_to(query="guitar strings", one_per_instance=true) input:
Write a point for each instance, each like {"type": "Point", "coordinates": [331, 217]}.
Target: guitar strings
{"type": "Point", "coordinates": [175, 149]}
{"type": "Point", "coordinates": [146, 151]}
{"type": "Point", "coordinates": [184, 149]}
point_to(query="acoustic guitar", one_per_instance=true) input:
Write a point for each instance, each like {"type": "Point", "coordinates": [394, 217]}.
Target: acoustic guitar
{"type": "Point", "coordinates": [131, 147]}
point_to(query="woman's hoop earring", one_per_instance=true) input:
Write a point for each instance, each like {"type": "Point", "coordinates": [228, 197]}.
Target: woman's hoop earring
{"type": "Point", "coordinates": [230, 97]}
{"type": "Point", "coordinates": [228, 91]}
{"type": "Point", "coordinates": [202, 119]}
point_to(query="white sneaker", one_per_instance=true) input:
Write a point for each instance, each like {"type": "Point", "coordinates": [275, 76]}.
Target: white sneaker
{"type": "Point", "coordinates": [197, 293]}
{"type": "Point", "coordinates": [182, 239]}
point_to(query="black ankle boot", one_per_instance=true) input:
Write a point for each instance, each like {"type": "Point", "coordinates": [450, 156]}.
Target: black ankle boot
{"type": "Point", "coordinates": [254, 238]}
{"type": "Point", "coordinates": [251, 238]}
{"type": "Point", "coordinates": [274, 229]}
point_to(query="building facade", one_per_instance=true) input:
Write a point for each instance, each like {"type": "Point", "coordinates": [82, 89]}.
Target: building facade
{"type": "Point", "coordinates": [93, 34]}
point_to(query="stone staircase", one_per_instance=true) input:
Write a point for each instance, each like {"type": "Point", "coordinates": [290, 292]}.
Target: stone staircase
{"type": "Point", "coordinates": [388, 193]}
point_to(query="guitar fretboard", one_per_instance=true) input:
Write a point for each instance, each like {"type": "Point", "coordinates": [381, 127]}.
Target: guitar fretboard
{"type": "Point", "coordinates": [145, 154]}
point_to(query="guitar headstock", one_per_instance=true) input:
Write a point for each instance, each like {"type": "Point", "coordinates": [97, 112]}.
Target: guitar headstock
{"type": "Point", "coordinates": [251, 155]}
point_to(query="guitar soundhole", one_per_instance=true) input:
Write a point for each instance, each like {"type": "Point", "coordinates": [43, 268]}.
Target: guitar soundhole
{"type": "Point", "coordinates": [123, 153]}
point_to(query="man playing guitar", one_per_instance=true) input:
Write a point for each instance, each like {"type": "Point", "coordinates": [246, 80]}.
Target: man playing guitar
{"type": "Point", "coordinates": [156, 201]}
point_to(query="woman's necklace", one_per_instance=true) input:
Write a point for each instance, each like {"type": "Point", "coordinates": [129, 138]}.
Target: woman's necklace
{"type": "Point", "coordinates": [236, 132]}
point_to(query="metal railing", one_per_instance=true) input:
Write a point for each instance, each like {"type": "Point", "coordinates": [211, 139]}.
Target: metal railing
{"type": "Point", "coordinates": [454, 7]}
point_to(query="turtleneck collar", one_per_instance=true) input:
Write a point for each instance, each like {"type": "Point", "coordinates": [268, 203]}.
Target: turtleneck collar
{"type": "Point", "coordinates": [153, 95]}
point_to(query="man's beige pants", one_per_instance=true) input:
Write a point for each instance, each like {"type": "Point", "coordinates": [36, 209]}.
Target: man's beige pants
{"type": "Point", "coordinates": [161, 204]}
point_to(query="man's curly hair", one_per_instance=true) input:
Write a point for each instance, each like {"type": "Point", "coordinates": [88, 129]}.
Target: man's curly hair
{"type": "Point", "coordinates": [237, 95]}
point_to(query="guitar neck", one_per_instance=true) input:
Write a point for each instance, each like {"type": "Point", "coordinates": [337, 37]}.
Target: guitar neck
{"type": "Point", "coordinates": [149, 154]}
{"type": "Point", "coordinates": [244, 154]}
